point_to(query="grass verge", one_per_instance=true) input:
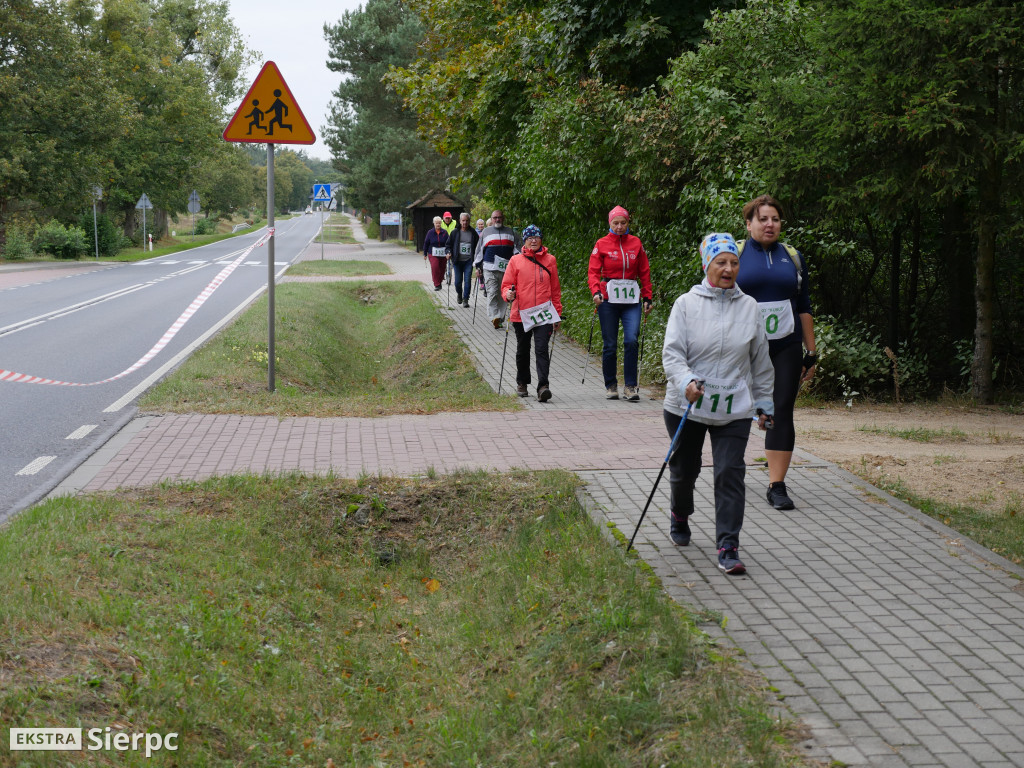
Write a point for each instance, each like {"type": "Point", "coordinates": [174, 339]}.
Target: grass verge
{"type": "Point", "coordinates": [918, 434]}
{"type": "Point", "coordinates": [1003, 532]}
{"type": "Point", "coordinates": [477, 619]}
{"type": "Point", "coordinates": [343, 268]}
{"type": "Point", "coordinates": [342, 349]}
{"type": "Point", "coordinates": [337, 233]}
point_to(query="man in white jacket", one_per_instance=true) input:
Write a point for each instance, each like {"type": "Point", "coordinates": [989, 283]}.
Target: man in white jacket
{"type": "Point", "coordinates": [716, 359]}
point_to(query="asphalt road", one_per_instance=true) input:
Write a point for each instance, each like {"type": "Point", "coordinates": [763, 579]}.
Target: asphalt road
{"type": "Point", "coordinates": [83, 327]}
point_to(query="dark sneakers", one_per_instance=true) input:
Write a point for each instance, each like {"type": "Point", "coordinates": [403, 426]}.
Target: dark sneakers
{"type": "Point", "coordinates": [543, 394]}
{"type": "Point", "coordinates": [778, 497]}
{"type": "Point", "coordinates": [522, 390]}
{"type": "Point", "coordinates": [729, 561]}
{"type": "Point", "coordinates": [679, 530]}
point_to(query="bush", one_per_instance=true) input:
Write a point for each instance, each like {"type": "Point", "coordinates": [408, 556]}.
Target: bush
{"type": "Point", "coordinates": [206, 226]}
{"type": "Point", "coordinates": [110, 239]}
{"type": "Point", "coordinates": [60, 241]}
{"type": "Point", "coordinates": [913, 372]}
{"type": "Point", "coordinates": [372, 228]}
{"type": "Point", "coordinates": [18, 245]}
{"type": "Point", "coordinates": [851, 360]}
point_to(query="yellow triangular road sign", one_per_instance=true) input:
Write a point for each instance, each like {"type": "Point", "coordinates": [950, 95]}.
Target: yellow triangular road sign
{"type": "Point", "coordinates": [269, 113]}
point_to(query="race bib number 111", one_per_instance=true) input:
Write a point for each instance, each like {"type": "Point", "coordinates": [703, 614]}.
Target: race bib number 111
{"type": "Point", "coordinates": [723, 401]}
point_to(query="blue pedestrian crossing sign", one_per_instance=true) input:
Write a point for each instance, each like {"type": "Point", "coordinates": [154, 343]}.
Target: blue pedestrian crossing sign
{"type": "Point", "coordinates": [322, 192]}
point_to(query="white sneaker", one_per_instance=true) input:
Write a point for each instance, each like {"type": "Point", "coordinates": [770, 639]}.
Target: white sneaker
{"type": "Point", "coordinates": [631, 393]}
{"type": "Point", "coordinates": [612, 393]}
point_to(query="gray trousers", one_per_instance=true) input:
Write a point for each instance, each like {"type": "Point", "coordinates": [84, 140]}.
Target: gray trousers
{"type": "Point", "coordinates": [496, 305]}
{"type": "Point", "coordinates": [728, 444]}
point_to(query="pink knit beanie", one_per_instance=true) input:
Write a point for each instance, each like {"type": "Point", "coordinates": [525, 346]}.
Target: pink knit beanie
{"type": "Point", "coordinates": [618, 210]}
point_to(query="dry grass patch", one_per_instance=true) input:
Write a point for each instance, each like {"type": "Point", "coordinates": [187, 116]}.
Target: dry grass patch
{"type": "Point", "coordinates": [469, 619]}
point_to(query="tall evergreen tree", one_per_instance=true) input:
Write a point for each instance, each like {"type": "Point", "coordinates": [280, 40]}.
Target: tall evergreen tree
{"type": "Point", "coordinates": [385, 164]}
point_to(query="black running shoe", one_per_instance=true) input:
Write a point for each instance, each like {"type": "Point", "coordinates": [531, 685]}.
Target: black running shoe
{"type": "Point", "coordinates": [729, 561]}
{"type": "Point", "coordinates": [679, 530]}
{"type": "Point", "coordinates": [778, 497]}
{"type": "Point", "coordinates": [543, 394]}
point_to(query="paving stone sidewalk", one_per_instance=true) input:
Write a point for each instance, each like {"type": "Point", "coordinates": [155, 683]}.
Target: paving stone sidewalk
{"type": "Point", "coordinates": [898, 642]}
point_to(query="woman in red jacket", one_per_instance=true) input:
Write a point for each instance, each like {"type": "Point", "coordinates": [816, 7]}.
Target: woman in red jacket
{"type": "Point", "coordinates": [620, 278]}
{"type": "Point", "coordinates": [531, 286]}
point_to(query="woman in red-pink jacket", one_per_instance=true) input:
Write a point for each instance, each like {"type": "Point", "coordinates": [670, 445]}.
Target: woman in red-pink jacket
{"type": "Point", "coordinates": [620, 279]}
{"type": "Point", "coordinates": [531, 286]}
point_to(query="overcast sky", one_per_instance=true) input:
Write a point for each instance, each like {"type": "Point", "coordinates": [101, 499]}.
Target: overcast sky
{"type": "Point", "coordinates": [291, 34]}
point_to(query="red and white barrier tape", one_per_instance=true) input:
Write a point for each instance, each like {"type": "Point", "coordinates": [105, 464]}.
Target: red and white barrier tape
{"type": "Point", "coordinates": [24, 378]}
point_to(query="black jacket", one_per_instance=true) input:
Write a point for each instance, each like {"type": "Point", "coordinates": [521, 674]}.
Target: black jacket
{"type": "Point", "coordinates": [457, 237]}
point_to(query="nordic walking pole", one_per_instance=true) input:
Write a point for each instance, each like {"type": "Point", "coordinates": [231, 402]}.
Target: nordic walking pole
{"type": "Point", "coordinates": [640, 360]}
{"type": "Point", "coordinates": [505, 347]}
{"type": "Point", "coordinates": [589, 340]}
{"type": "Point", "coordinates": [449, 285]}
{"type": "Point", "coordinates": [671, 450]}
{"type": "Point", "coordinates": [475, 302]}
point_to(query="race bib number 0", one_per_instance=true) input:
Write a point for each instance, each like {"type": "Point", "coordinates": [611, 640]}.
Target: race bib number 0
{"type": "Point", "coordinates": [623, 291]}
{"type": "Point", "coordinates": [542, 314]}
{"type": "Point", "coordinates": [777, 317]}
{"type": "Point", "coordinates": [723, 401]}
{"type": "Point", "coordinates": [438, 253]}
{"type": "Point", "coordinates": [500, 264]}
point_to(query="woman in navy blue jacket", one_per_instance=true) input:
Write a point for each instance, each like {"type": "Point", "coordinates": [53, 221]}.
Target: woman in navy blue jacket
{"type": "Point", "coordinates": [434, 252]}
{"type": "Point", "coordinates": [775, 275]}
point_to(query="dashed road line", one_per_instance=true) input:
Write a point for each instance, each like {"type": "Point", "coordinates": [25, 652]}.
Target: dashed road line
{"type": "Point", "coordinates": [34, 466]}
{"type": "Point", "coordinates": [81, 432]}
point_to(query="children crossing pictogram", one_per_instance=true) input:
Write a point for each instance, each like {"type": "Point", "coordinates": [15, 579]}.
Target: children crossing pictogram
{"type": "Point", "coordinates": [254, 123]}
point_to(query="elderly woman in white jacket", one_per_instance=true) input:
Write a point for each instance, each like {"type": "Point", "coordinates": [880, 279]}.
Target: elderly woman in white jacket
{"type": "Point", "coordinates": [716, 360]}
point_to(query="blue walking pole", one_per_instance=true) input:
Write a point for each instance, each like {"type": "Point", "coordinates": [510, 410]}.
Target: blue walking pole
{"type": "Point", "coordinates": [671, 450]}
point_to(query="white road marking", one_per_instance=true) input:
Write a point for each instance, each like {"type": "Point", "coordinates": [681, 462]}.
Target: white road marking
{"type": "Point", "coordinates": [145, 384]}
{"type": "Point", "coordinates": [72, 307]}
{"type": "Point", "coordinates": [81, 432]}
{"type": "Point", "coordinates": [36, 465]}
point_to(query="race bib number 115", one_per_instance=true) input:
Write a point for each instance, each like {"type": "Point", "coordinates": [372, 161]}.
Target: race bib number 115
{"type": "Point", "coordinates": [542, 314]}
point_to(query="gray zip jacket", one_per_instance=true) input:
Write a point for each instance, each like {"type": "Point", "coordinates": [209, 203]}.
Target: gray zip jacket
{"type": "Point", "coordinates": [717, 333]}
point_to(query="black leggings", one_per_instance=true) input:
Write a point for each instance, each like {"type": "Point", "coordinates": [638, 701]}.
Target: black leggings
{"type": "Point", "coordinates": [788, 363]}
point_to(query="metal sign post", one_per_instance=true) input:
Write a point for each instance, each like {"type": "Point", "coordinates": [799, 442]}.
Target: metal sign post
{"type": "Point", "coordinates": [97, 194]}
{"type": "Point", "coordinates": [142, 205]}
{"type": "Point", "coordinates": [322, 194]}
{"type": "Point", "coordinates": [270, 267]}
{"type": "Point", "coordinates": [193, 208]}
{"type": "Point", "coordinates": [248, 126]}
